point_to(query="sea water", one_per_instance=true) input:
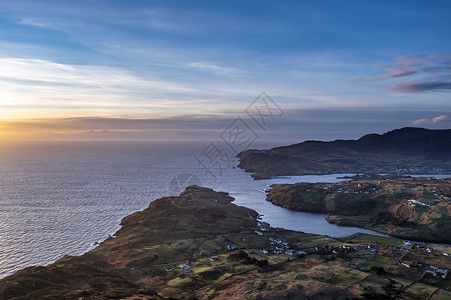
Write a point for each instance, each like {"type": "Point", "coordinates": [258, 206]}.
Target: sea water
{"type": "Point", "coordinates": [60, 198]}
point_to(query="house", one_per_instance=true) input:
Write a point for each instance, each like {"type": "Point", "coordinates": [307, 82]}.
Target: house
{"type": "Point", "coordinates": [231, 247]}
{"type": "Point", "coordinates": [413, 203]}
{"type": "Point", "coordinates": [406, 246]}
{"type": "Point", "coordinates": [436, 271]}
{"type": "Point", "coordinates": [214, 258]}
{"type": "Point", "coordinates": [169, 269]}
{"type": "Point", "coordinates": [399, 248]}
{"type": "Point", "coordinates": [187, 271]}
{"type": "Point", "coordinates": [373, 248]}
{"type": "Point", "coordinates": [289, 252]}
{"type": "Point", "coordinates": [258, 232]}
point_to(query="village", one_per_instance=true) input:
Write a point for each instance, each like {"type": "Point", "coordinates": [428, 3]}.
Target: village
{"type": "Point", "coordinates": [363, 255]}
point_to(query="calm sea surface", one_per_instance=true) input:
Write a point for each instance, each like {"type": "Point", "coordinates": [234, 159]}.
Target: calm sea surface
{"type": "Point", "coordinates": [60, 198]}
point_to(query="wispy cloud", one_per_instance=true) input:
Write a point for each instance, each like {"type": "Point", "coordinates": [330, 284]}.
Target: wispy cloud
{"type": "Point", "coordinates": [33, 88]}
{"type": "Point", "coordinates": [431, 85]}
{"type": "Point", "coordinates": [34, 22]}
{"type": "Point", "coordinates": [436, 120]}
{"type": "Point", "coordinates": [420, 73]}
{"type": "Point", "coordinates": [214, 69]}
{"type": "Point", "coordinates": [32, 85]}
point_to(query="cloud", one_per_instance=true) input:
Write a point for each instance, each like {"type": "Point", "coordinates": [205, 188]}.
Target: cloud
{"type": "Point", "coordinates": [32, 87]}
{"type": "Point", "coordinates": [34, 22]}
{"type": "Point", "coordinates": [396, 74]}
{"type": "Point", "coordinates": [436, 120]}
{"type": "Point", "coordinates": [215, 69]}
{"type": "Point", "coordinates": [423, 86]}
{"type": "Point", "coordinates": [419, 73]}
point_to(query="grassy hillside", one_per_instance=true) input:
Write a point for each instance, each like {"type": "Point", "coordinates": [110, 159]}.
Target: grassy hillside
{"type": "Point", "coordinates": [401, 151]}
{"type": "Point", "coordinates": [411, 208]}
{"type": "Point", "coordinates": [201, 246]}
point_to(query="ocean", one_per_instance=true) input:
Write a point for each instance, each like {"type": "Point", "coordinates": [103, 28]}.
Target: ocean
{"type": "Point", "coordinates": [59, 198]}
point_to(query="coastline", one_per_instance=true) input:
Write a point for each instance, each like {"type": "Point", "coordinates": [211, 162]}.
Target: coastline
{"type": "Point", "coordinates": [216, 250]}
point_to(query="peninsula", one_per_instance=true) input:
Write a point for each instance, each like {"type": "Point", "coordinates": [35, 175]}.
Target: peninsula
{"type": "Point", "coordinates": [200, 245]}
{"type": "Point", "coordinates": [401, 151]}
{"type": "Point", "coordinates": [408, 208]}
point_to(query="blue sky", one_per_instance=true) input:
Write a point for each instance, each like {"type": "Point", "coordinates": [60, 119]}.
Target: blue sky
{"type": "Point", "coordinates": [203, 62]}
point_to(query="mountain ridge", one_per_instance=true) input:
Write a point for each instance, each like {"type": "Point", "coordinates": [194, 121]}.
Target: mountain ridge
{"type": "Point", "coordinates": [409, 149]}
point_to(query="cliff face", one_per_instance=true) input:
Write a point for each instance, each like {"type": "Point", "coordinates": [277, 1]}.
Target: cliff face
{"type": "Point", "coordinates": [406, 150]}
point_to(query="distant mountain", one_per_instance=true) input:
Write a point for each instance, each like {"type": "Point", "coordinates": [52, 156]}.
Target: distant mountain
{"type": "Point", "coordinates": [406, 150]}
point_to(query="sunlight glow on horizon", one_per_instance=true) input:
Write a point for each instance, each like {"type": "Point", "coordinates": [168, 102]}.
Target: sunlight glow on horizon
{"type": "Point", "coordinates": [181, 62]}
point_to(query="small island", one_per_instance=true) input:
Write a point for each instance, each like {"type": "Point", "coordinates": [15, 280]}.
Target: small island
{"type": "Point", "coordinates": [200, 245]}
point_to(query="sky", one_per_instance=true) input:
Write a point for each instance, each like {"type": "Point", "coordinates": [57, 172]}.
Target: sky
{"type": "Point", "coordinates": [187, 69]}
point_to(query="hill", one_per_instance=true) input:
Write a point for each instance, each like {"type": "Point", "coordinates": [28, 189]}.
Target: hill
{"type": "Point", "coordinates": [199, 245]}
{"type": "Point", "coordinates": [407, 150]}
{"type": "Point", "coordinates": [408, 208]}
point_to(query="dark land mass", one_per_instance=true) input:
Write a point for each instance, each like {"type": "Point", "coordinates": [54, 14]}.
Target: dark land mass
{"type": "Point", "coordinates": [199, 245]}
{"type": "Point", "coordinates": [409, 208]}
{"type": "Point", "coordinates": [401, 151]}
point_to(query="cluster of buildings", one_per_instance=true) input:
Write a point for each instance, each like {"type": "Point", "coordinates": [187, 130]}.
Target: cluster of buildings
{"type": "Point", "coordinates": [439, 195]}
{"type": "Point", "coordinates": [279, 246]}
{"type": "Point", "coordinates": [413, 203]}
{"type": "Point", "coordinates": [371, 248]}
{"type": "Point", "coordinates": [339, 188]}
{"type": "Point", "coordinates": [436, 271]}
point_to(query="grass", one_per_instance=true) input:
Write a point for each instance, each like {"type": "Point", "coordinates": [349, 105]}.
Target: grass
{"type": "Point", "coordinates": [347, 278]}
{"type": "Point", "coordinates": [306, 240]}
{"type": "Point", "coordinates": [164, 252]}
{"type": "Point", "coordinates": [379, 261]}
{"type": "Point", "coordinates": [375, 239]}
{"type": "Point", "coordinates": [441, 295]}
{"type": "Point", "coordinates": [374, 284]}
{"type": "Point", "coordinates": [420, 291]}
{"type": "Point", "coordinates": [178, 282]}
